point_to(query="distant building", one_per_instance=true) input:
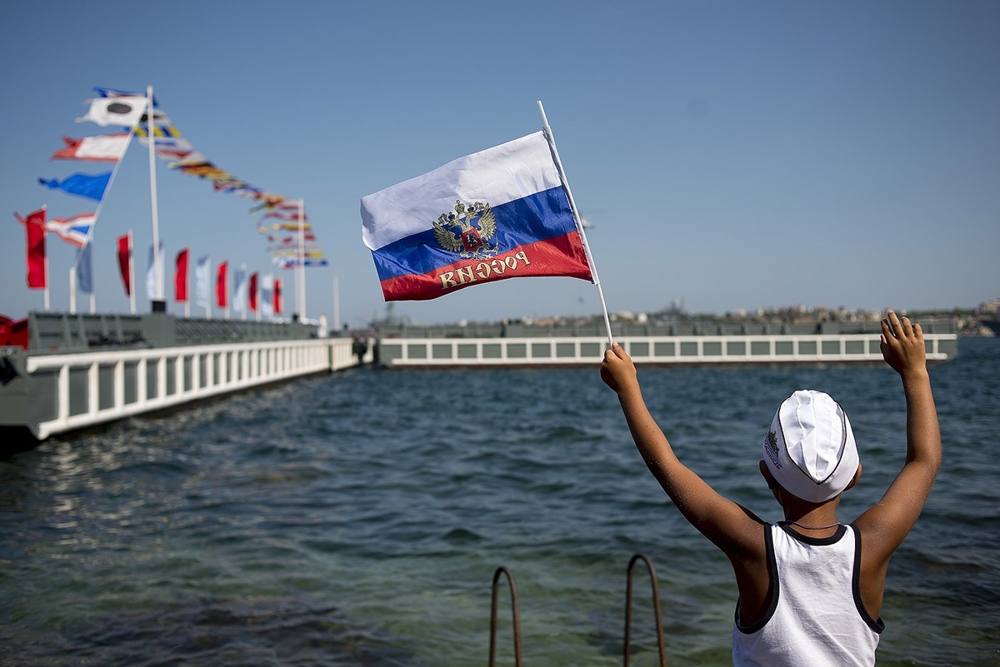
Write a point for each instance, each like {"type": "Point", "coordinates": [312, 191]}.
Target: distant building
{"type": "Point", "coordinates": [991, 307]}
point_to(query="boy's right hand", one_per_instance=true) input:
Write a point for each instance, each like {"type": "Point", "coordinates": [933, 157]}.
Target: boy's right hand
{"type": "Point", "coordinates": [903, 345]}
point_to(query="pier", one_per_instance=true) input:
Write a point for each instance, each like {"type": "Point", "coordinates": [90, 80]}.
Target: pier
{"type": "Point", "coordinates": [81, 371]}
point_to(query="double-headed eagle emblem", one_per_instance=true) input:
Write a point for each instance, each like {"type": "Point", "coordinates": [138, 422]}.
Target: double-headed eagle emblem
{"type": "Point", "coordinates": [475, 225]}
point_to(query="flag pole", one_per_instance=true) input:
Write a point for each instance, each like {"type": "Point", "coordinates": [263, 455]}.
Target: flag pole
{"type": "Point", "coordinates": [157, 260]}
{"type": "Point", "coordinates": [576, 217]}
{"type": "Point", "coordinates": [185, 278]}
{"type": "Point", "coordinates": [131, 275]}
{"type": "Point", "coordinates": [301, 274]}
{"type": "Point", "coordinates": [208, 280]}
{"type": "Point", "coordinates": [93, 295]}
{"type": "Point", "coordinates": [45, 259]}
{"type": "Point", "coordinates": [336, 304]}
{"type": "Point", "coordinates": [72, 290]}
{"type": "Point", "coordinates": [245, 290]}
{"type": "Point", "coordinates": [46, 291]}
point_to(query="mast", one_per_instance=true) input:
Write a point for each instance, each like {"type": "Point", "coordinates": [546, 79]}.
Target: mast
{"type": "Point", "coordinates": [158, 304]}
{"type": "Point", "coordinates": [131, 275]}
{"type": "Point", "coordinates": [336, 304]}
{"type": "Point", "coordinates": [301, 273]}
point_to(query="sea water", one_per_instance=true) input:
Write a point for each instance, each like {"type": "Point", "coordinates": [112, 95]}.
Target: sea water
{"type": "Point", "coordinates": [358, 519]}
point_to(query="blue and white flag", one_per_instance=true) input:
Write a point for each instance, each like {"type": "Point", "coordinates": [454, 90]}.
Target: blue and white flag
{"type": "Point", "coordinates": [84, 273]}
{"type": "Point", "coordinates": [240, 289]}
{"type": "Point", "coordinates": [202, 282]}
{"type": "Point", "coordinates": [501, 213]}
{"type": "Point", "coordinates": [83, 185]}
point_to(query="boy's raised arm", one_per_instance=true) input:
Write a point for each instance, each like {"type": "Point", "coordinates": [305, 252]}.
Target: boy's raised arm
{"type": "Point", "coordinates": [891, 519]}
{"type": "Point", "coordinates": [719, 519]}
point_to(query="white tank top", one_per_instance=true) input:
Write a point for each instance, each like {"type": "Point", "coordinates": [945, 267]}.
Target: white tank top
{"type": "Point", "coordinates": [815, 615]}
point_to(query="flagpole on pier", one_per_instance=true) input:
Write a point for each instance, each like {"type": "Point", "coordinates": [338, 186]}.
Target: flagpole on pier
{"type": "Point", "coordinates": [336, 304]}
{"type": "Point", "coordinates": [208, 288]}
{"type": "Point", "coordinates": [131, 275]}
{"type": "Point", "coordinates": [301, 273]}
{"type": "Point", "coordinates": [577, 219]}
{"type": "Point", "coordinates": [46, 258]}
{"type": "Point", "coordinates": [158, 305]}
{"type": "Point", "coordinates": [243, 287]}
{"type": "Point", "coordinates": [72, 290]}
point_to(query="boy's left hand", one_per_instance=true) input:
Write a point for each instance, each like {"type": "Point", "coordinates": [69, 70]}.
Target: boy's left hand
{"type": "Point", "coordinates": [617, 369]}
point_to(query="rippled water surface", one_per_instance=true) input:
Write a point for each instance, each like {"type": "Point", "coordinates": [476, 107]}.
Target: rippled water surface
{"type": "Point", "coordinates": [357, 519]}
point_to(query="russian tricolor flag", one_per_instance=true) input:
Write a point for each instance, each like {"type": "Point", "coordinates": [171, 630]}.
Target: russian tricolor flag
{"type": "Point", "coordinates": [497, 214]}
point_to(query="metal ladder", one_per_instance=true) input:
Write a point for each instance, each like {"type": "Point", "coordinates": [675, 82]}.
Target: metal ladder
{"type": "Point", "coordinates": [516, 622]}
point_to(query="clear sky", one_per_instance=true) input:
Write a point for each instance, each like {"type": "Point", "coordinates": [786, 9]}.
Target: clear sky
{"type": "Point", "coordinates": [730, 154]}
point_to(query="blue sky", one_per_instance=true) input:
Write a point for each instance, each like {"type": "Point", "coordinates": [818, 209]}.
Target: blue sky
{"type": "Point", "coordinates": [731, 155]}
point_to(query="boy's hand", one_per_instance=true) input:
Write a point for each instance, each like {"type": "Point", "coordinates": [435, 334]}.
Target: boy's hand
{"type": "Point", "coordinates": [903, 345]}
{"type": "Point", "coordinates": [617, 370]}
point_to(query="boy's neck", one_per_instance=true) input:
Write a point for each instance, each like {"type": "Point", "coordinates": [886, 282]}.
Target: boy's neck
{"type": "Point", "coordinates": [811, 516]}
{"type": "Point", "coordinates": [835, 524]}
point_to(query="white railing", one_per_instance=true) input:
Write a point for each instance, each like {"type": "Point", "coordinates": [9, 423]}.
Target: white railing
{"type": "Point", "coordinates": [153, 379]}
{"type": "Point", "coordinates": [647, 350]}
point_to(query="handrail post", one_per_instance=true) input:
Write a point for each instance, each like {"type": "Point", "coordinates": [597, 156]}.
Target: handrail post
{"type": "Point", "coordinates": [516, 619]}
{"type": "Point", "coordinates": [656, 610]}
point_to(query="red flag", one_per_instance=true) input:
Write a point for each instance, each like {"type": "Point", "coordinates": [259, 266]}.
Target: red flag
{"type": "Point", "coordinates": [277, 296]}
{"type": "Point", "coordinates": [253, 292]}
{"type": "Point", "coordinates": [221, 293]}
{"type": "Point", "coordinates": [124, 260]}
{"type": "Point", "coordinates": [34, 225]}
{"type": "Point", "coordinates": [181, 277]}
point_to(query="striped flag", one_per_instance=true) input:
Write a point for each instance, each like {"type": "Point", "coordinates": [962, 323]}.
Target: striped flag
{"type": "Point", "coordinates": [497, 214]}
{"type": "Point", "coordinates": [75, 230]}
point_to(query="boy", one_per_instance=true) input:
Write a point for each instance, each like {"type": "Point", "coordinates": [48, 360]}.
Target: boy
{"type": "Point", "coordinates": [809, 594]}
